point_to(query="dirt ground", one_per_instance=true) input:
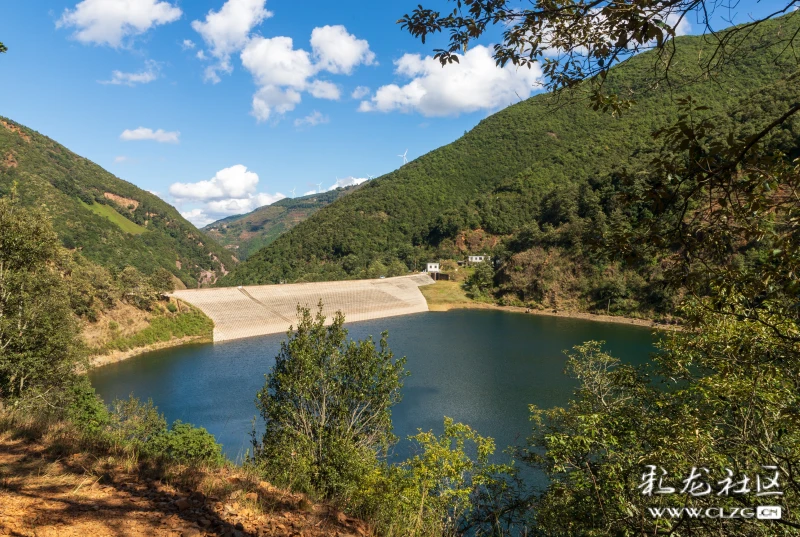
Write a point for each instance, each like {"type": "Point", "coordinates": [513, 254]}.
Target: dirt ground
{"type": "Point", "coordinates": [80, 496]}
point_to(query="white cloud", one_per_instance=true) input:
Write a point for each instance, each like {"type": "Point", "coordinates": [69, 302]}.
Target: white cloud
{"type": "Point", "coordinates": [188, 44]}
{"type": "Point", "coordinates": [322, 89]}
{"type": "Point", "coordinates": [201, 55]}
{"type": "Point", "coordinates": [142, 133]}
{"type": "Point", "coordinates": [275, 62]}
{"type": "Point", "coordinates": [120, 159]}
{"type": "Point", "coordinates": [231, 191]}
{"type": "Point", "coordinates": [271, 98]}
{"type": "Point", "coordinates": [360, 92]}
{"type": "Point", "coordinates": [337, 51]}
{"type": "Point", "coordinates": [348, 181]}
{"type": "Point", "coordinates": [198, 217]}
{"type": "Point", "coordinates": [226, 31]}
{"type": "Point", "coordinates": [109, 22]}
{"type": "Point", "coordinates": [310, 192]}
{"type": "Point", "coordinates": [682, 25]}
{"type": "Point", "coordinates": [149, 74]}
{"type": "Point", "coordinates": [476, 83]}
{"type": "Point", "coordinates": [233, 182]}
{"type": "Point", "coordinates": [282, 73]}
{"type": "Point", "coordinates": [312, 120]}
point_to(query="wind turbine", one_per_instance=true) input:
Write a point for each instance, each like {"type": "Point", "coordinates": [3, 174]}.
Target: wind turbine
{"type": "Point", "coordinates": [370, 177]}
{"type": "Point", "coordinates": [319, 188]}
{"type": "Point", "coordinates": [405, 160]}
{"type": "Point", "coordinates": [295, 188]}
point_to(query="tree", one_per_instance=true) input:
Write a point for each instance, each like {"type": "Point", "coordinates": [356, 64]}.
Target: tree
{"type": "Point", "coordinates": [578, 40]}
{"type": "Point", "coordinates": [725, 205]}
{"type": "Point", "coordinates": [3, 48]}
{"type": "Point", "coordinates": [450, 487]}
{"type": "Point", "coordinates": [481, 280]}
{"type": "Point", "coordinates": [327, 406]}
{"type": "Point", "coordinates": [136, 288]}
{"type": "Point", "coordinates": [38, 335]}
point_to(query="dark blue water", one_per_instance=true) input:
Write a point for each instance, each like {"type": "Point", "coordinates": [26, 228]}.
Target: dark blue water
{"type": "Point", "coordinates": [480, 367]}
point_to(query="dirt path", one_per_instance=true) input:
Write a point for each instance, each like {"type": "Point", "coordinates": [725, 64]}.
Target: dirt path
{"type": "Point", "coordinates": [43, 496]}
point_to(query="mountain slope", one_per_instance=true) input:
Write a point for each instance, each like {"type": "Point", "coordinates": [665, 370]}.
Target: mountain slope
{"type": "Point", "coordinates": [247, 233]}
{"type": "Point", "coordinates": [507, 171]}
{"type": "Point", "coordinates": [112, 222]}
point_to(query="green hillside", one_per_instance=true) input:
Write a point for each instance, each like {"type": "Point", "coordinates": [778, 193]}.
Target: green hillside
{"type": "Point", "coordinates": [110, 221]}
{"type": "Point", "coordinates": [538, 174]}
{"type": "Point", "coordinates": [246, 234]}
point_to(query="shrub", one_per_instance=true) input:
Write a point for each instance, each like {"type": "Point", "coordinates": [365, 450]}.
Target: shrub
{"type": "Point", "coordinates": [136, 423]}
{"type": "Point", "coordinates": [172, 308]}
{"type": "Point", "coordinates": [187, 444]}
{"type": "Point", "coordinates": [86, 410]}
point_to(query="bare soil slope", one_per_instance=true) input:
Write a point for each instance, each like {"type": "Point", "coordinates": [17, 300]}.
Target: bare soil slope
{"type": "Point", "coordinates": [43, 494]}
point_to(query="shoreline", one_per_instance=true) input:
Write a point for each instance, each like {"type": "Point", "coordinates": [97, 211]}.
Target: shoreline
{"type": "Point", "coordinates": [645, 323]}
{"type": "Point", "coordinates": [100, 360]}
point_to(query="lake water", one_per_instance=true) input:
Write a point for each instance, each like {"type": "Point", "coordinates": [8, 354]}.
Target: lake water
{"type": "Point", "coordinates": [480, 367]}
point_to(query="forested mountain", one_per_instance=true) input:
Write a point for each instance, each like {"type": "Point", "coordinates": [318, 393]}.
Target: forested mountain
{"type": "Point", "coordinates": [535, 184]}
{"type": "Point", "coordinates": [247, 233]}
{"type": "Point", "coordinates": [110, 221]}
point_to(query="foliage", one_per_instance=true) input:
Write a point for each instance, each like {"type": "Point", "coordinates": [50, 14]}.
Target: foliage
{"type": "Point", "coordinates": [579, 41]}
{"type": "Point", "coordinates": [723, 393]}
{"type": "Point", "coordinates": [136, 423]}
{"type": "Point", "coordinates": [327, 407]}
{"type": "Point", "coordinates": [481, 281]}
{"type": "Point", "coordinates": [39, 350]}
{"type": "Point", "coordinates": [164, 327]}
{"type": "Point", "coordinates": [86, 410]}
{"type": "Point", "coordinates": [187, 444]}
{"type": "Point", "coordinates": [449, 490]}
{"type": "Point", "coordinates": [140, 426]}
{"type": "Point", "coordinates": [111, 222]}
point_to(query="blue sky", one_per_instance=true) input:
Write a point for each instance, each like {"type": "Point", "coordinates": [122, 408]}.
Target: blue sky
{"type": "Point", "coordinates": [220, 106]}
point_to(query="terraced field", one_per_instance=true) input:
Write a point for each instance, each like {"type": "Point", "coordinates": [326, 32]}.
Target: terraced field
{"type": "Point", "coordinates": [240, 312]}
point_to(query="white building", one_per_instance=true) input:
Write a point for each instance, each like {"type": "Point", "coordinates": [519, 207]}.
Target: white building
{"type": "Point", "coordinates": [432, 267]}
{"type": "Point", "coordinates": [477, 258]}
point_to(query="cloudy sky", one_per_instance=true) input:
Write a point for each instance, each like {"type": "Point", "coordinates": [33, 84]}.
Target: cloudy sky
{"type": "Point", "coordinates": [221, 106]}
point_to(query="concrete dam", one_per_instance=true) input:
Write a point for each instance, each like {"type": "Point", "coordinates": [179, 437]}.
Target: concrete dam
{"type": "Point", "coordinates": [247, 311]}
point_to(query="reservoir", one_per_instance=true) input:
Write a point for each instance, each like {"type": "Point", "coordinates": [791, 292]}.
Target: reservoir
{"type": "Point", "coordinates": [479, 367]}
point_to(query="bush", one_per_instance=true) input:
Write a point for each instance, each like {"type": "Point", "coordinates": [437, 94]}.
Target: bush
{"type": "Point", "coordinates": [172, 308]}
{"type": "Point", "coordinates": [187, 444]}
{"type": "Point", "coordinates": [136, 423]}
{"type": "Point", "coordinates": [86, 410]}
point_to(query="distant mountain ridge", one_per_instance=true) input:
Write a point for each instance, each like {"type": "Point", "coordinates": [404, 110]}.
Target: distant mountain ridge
{"type": "Point", "coordinates": [520, 170]}
{"type": "Point", "coordinates": [245, 234]}
{"type": "Point", "coordinates": [111, 221]}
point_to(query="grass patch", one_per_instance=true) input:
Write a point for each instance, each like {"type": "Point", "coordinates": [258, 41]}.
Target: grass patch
{"type": "Point", "coordinates": [164, 328]}
{"type": "Point", "coordinates": [444, 295]}
{"type": "Point", "coordinates": [111, 213]}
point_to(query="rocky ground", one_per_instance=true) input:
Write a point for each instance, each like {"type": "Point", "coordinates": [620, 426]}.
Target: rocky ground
{"type": "Point", "coordinates": [42, 494]}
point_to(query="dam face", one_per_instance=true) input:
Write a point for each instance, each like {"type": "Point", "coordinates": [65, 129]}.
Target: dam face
{"type": "Point", "coordinates": [240, 312]}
